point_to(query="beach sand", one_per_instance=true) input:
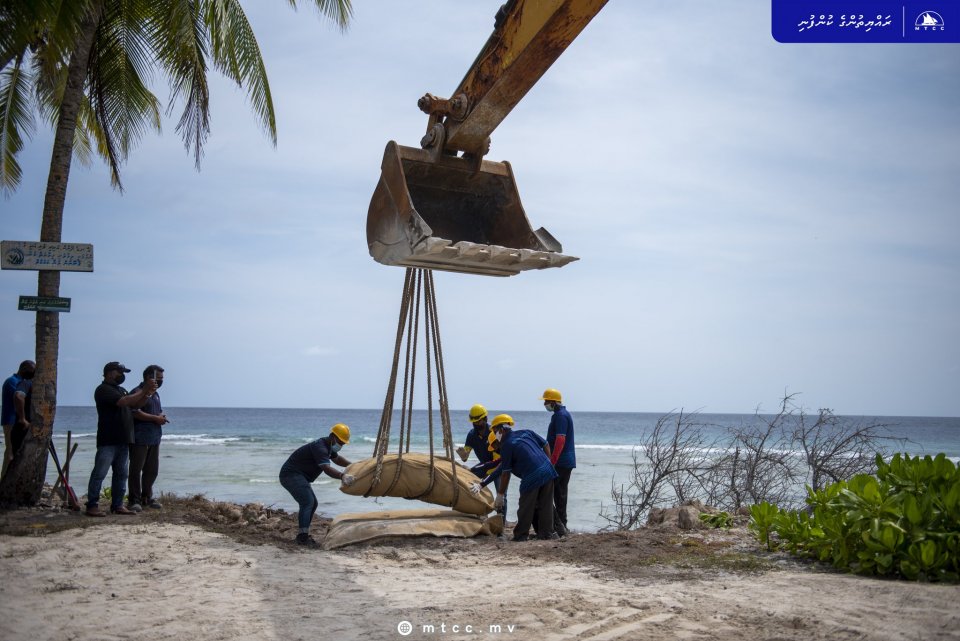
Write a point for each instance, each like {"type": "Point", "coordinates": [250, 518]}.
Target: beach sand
{"type": "Point", "coordinates": [202, 571]}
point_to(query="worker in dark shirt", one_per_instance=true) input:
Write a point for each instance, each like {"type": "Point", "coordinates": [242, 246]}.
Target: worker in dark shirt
{"type": "Point", "coordinates": [562, 447]}
{"type": "Point", "coordinates": [478, 441]}
{"type": "Point", "coordinates": [304, 466]}
{"type": "Point", "coordinates": [114, 435]}
{"type": "Point", "coordinates": [492, 471]}
{"type": "Point", "coordinates": [526, 454]}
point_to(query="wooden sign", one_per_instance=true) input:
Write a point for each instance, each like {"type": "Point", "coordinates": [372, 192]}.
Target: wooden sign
{"type": "Point", "coordinates": [64, 257]}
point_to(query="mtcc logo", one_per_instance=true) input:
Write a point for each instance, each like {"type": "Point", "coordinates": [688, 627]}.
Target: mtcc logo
{"type": "Point", "coordinates": [928, 21]}
{"type": "Point", "coordinates": [15, 256]}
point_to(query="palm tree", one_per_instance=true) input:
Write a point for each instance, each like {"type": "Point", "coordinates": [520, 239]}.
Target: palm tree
{"type": "Point", "coordinates": [84, 61]}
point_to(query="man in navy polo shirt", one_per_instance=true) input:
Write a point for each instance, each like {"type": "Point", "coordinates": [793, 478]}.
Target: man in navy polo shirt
{"type": "Point", "coordinates": [304, 466]}
{"type": "Point", "coordinates": [16, 411]}
{"type": "Point", "coordinates": [148, 420]}
{"type": "Point", "coordinates": [526, 454]}
{"type": "Point", "coordinates": [563, 448]}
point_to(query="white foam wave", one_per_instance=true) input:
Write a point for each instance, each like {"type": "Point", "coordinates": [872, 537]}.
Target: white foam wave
{"type": "Point", "coordinates": [199, 439]}
{"type": "Point", "coordinates": [261, 480]}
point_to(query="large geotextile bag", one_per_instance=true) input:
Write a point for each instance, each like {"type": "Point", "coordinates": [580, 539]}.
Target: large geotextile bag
{"type": "Point", "coordinates": [347, 529]}
{"type": "Point", "coordinates": [414, 482]}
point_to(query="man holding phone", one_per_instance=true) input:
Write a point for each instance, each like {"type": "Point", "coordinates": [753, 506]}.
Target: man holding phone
{"type": "Point", "coordinates": [148, 420]}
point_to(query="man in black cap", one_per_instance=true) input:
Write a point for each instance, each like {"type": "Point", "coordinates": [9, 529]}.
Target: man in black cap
{"type": "Point", "coordinates": [114, 436]}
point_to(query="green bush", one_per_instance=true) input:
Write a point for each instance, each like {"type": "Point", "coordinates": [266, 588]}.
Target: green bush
{"type": "Point", "coordinates": [903, 522]}
{"type": "Point", "coordinates": [718, 520]}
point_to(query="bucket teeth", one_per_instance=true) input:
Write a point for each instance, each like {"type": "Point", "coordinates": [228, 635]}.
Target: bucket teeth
{"type": "Point", "coordinates": [444, 214]}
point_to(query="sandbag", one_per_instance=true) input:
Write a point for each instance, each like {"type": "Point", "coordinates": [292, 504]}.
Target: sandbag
{"type": "Point", "coordinates": [415, 480]}
{"type": "Point", "coordinates": [359, 527]}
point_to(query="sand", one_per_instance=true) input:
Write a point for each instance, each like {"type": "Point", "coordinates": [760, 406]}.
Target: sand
{"type": "Point", "coordinates": [164, 577]}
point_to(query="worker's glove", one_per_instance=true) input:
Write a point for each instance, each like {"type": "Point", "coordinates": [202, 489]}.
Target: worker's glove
{"type": "Point", "coordinates": [348, 480]}
{"type": "Point", "coordinates": [475, 488]}
{"type": "Point", "coordinates": [463, 453]}
{"type": "Point", "coordinates": [498, 502]}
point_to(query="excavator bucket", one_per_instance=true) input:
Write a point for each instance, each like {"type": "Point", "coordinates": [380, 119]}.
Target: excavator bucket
{"type": "Point", "coordinates": [442, 213]}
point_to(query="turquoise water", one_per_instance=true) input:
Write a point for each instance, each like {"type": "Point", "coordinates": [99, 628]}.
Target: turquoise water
{"type": "Point", "coordinates": [236, 454]}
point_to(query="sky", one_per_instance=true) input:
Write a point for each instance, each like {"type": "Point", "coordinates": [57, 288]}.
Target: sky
{"type": "Point", "coordinates": [752, 219]}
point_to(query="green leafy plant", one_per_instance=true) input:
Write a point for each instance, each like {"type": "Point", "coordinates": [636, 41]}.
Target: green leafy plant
{"type": "Point", "coordinates": [904, 521]}
{"type": "Point", "coordinates": [763, 516]}
{"type": "Point", "coordinates": [718, 520]}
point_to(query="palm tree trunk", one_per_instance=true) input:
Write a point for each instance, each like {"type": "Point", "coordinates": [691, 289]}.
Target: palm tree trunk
{"type": "Point", "coordinates": [24, 480]}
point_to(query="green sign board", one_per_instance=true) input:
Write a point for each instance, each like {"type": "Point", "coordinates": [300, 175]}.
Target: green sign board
{"type": "Point", "coordinates": [44, 304]}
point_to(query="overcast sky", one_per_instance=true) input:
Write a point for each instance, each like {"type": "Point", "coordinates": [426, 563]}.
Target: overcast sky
{"type": "Point", "coordinates": [751, 217]}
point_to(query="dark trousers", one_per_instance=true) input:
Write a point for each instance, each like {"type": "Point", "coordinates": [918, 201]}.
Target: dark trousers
{"type": "Point", "coordinates": [299, 487]}
{"type": "Point", "coordinates": [560, 493]}
{"type": "Point", "coordinates": [539, 500]}
{"type": "Point", "coordinates": [144, 468]}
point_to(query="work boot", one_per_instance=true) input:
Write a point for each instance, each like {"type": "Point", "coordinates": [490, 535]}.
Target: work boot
{"type": "Point", "coordinates": [305, 539]}
{"type": "Point", "coordinates": [520, 538]}
{"type": "Point", "coordinates": [94, 510]}
{"type": "Point", "coordinates": [122, 510]}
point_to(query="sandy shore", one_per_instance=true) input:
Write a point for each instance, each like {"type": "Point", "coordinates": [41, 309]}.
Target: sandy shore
{"type": "Point", "coordinates": [126, 579]}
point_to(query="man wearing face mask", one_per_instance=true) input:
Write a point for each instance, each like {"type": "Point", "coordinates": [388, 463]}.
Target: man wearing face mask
{"type": "Point", "coordinates": [478, 441]}
{"type": "Point", "coordinates": [145, 450]}
{"type": "Point", "coordinates": [16, 411]}
{"type": "Point", "coordinates": [563, 451]}
{"type": "Point", "coordinates": [115, 433]}
{"type": "Point", "coordinates": [304, 466]}
{"type": "Point", "coordinates": [525, 454]}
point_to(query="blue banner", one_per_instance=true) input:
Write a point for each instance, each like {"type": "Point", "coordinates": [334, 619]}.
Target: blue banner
{"type": "Point", "coordinates": [920, 21]}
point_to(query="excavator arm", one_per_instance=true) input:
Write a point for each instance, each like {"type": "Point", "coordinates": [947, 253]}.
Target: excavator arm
{"type": "Point", "coordinates": [528, 37]}
{"type": "Point", "coordinates": [442, 206]}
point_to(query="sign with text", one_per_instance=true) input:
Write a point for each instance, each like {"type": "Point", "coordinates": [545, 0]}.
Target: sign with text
{"type": "Point", "coordinates": [864, 21]}
{"type": "Point", "coordinates": [44, 304]}
{"type": "Point", "coordinates": [64, 257]}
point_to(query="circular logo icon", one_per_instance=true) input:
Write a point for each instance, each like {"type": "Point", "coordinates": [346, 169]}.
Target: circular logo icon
{"type": "Point", "coordinates": [15, 256]}
{"type": "Point", "coordinates": [405, 628]}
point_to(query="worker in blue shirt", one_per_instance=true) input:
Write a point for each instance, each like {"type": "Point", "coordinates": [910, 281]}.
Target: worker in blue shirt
{"type": "Point", "coordinates": [563, 451]}
{"type": "Point", "coordinates": [493, 474]}
{"type": "Point", "coordinates": [477, 441]}
{"type": "Point", "coordinates": [526, 454]}
{"type": "Point", "coordinates": [304, 466]}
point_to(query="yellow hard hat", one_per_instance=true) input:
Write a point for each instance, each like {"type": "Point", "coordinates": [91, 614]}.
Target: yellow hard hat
{"type": "Point", "coordinates": [492, 443]}
{"type": "Point", "coordinates": [502, 419]}
{"type": "Point", "coordinates": [551, 395]}
{"type": "Point", "coordinates": [342, 432]}
{"type": "Point", "coordinates": [477, 412]}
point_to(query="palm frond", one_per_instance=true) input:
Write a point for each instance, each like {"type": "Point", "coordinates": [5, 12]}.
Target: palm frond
{"type": "Point", "coordinates": [16, 120]}
{"type": "Point", "coordinates": [85, 135]}
{"type": "Point", "coordinates": [237, 55]}
{"type": "Point", "coordinates": [340, 11]}
{"type": "Point", "coordinates": [179, 40]}
{"type": "Point", "coordinates": [122, 106]}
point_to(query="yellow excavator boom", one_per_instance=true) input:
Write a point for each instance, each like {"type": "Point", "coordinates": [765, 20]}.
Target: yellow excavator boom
{"type": "Point", "coordinates": [442, 206]}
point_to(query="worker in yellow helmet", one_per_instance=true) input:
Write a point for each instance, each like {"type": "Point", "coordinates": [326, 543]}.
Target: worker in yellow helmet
{"type": "Point", "coordinates": [492, 471]}
{"type": "Point", "coordinates": [526, 454]}
{"type": "Point", "coordinates": [563, 450]}
{"type": "Point", "coordinates": [304, 466]}
{"type": "Point", "coordinates": [476, 441]}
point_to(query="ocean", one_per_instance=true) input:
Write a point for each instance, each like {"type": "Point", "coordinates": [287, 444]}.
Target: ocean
{"type": "Point", "coordinates": [235, 454]}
